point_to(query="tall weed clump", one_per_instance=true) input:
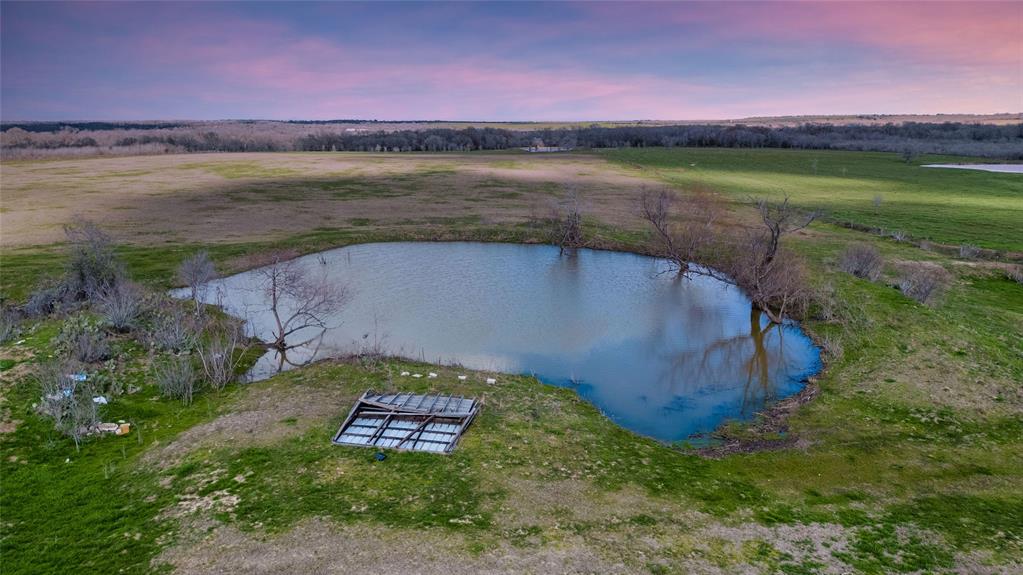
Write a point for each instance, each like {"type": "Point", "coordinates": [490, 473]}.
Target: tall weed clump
{"type": "Point", "coordinates": [862, 261]}
{"type": "Point", "coordinates": [176, 378]}
{"type": "Point", "coordinates": [922, 281]}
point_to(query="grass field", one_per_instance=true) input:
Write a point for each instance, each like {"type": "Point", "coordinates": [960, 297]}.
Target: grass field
{"type": "Point", "coordinates": [969, 207]}
{"type": "Point", "coordinates": [909, 460]}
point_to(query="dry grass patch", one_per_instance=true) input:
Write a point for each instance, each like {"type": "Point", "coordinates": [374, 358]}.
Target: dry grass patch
{"type": "Point", "coordinates": [258, 418]}
{"type": "Point", "coordinates": [248, 197]}
{"type": "Point", "coordinates": [319, 546]}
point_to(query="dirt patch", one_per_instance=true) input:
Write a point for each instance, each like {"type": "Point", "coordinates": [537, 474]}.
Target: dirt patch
{"type": "Point", "coordinates": [319, 546]}
{"type": "Point", "coordinates": [259, 418]}
{"type": "Point", "coordinates": [557, 502]}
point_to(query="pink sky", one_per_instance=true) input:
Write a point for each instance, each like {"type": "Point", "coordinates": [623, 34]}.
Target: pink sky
{"type": "Point", "coordinates": [508, 61]}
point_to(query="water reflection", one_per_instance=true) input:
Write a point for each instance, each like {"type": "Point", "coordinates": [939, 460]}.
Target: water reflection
{"type": "Point", "coordinates": [664, 356]}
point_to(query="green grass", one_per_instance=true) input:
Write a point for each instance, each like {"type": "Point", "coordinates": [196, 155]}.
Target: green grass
{"type": "Point", "coordinates": [946, 206]}
{"type": "Point", "coordinates": [914, 445]}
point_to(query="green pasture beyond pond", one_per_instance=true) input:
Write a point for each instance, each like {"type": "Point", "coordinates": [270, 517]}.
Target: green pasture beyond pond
{"type": "Point", "coordinates": [941, 205]}
{"type": "Point", "coordinates": [914, 446]}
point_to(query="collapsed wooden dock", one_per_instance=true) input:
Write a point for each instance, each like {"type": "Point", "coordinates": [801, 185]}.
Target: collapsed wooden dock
{"type": "Point", "coordinates": [408, 421]}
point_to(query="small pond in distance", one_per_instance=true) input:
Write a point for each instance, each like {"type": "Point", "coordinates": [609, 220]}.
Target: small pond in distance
{"type": "Point", "coordinates": [662, 356]}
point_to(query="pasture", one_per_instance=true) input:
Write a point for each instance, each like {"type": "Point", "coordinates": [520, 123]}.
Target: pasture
{"type": "Point", "coordinates": [909, 458]}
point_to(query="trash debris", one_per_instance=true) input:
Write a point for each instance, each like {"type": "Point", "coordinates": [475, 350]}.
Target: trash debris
{"type": "Point", "coordinates": [431, 375]}
{"type": "Point", "coordinates": [19, 342]}
{"type": "Point", "coordinates": [108, 427]}
{"type": "Point", "coordinates": [491, 380]}
{"type": "Point", "coordinates": [417, 375]}
{"type": "Point", "coordinates": [77, 376]}
{"type": "Point", "coordinates": [380, 456]}
{"type": "Point", "coordinates": [123, 429]}
{"type": "Point", "coordinates": [404, 373]}
{"type": "Point", "coordinates": [462, 377]}
{"type": "Point", "coordinates": [100, 400]}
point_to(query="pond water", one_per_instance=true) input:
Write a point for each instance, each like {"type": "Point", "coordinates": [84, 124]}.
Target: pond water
{"type": "Point", "coordinates": [999, 168]}
{"type": "Point", "coordinates": [662, 356]}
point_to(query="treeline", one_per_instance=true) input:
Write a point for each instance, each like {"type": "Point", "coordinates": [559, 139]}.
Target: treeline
{"type": "Point", "coordinates": [965, 139]}
{"type": "Point", "coordinates": [982, 140]}
{"type": "Point", "coordinates": [42, 127]}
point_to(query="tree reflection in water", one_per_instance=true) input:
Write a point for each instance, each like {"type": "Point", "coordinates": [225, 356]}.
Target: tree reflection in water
{"type": "Point", "coordinates": [711, 365]}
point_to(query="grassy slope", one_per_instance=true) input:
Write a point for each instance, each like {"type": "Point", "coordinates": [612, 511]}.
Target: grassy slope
{"type": "Point", "coordinates": [945, 206]}
{"type": "Point", "coordinates": [899, 436]}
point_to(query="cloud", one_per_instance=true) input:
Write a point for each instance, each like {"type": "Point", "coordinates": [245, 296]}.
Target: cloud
{"type": "Point", "coordinates": [510, 62]}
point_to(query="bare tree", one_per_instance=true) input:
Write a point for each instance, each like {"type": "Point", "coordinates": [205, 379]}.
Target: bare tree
{"type": "Point", "coordinates": [689, 240]}
{"type": "Point", "coordinates": [92, 267]}
{"type": "Point", "coordinates": [781, 218]}
{"type": "Point", "coordinates": [196, 272]}
{"type": "Point", "coordinates": [775, 280]}
{"type": "Point", "coordinates": [299, 302]}
{"type": "Point", "coordinates": [567, 222]}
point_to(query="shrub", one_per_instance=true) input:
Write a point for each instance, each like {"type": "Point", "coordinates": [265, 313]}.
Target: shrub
{"type": "Point", "coordinates": [196, 272]}
{"type": "Point", "coordinates": [862, 261]}
{"type": "Point", "coordinates": [92, 268]}
{"type": "Point", "coordinates": [9, 318]}
{"type": "Point", "coordinates": [220, 354]}
{"type": "Point", "coordinates": [176, 379]}
{"type": "Point", "coordinates": [173, 329]}
{"type": "Point", "coordinates": [969, 251]}
{"type": "Point", "coordinates": [121, 305]}
{"type": "Point", "coordinates": [67, 400]}
{"type": "Point", "coordinates": [922, 281]}
{"type": "Point", "coordinates": [82, 340]}
{"type": "Point", "coordinates": [44, 300]}
{"type": "Point", "coordinates": [1015, 273]}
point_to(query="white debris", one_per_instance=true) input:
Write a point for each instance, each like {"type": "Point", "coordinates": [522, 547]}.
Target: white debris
{"type": "Point", "coordinates": [462, 377]}
{"type": "Point", "coordinates": [431, 375]}
{"type": "Point", "coordinates": [19, 342]}
{"type": "Point", "coordinates": [100, 400]}
{"type": "Point", "coordinates": [404, 373]}
{"type": "Point", "coordinates": [491, 380]}
{"type": "Point", "coordinates": [417, 375]}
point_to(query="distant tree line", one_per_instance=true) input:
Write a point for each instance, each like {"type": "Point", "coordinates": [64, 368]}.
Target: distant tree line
{"type": "Point", "coordinates": [97, 138]}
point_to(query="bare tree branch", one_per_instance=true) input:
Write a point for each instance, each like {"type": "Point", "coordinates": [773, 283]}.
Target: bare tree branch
{"type": "Point", "coordinates": [298, 301]}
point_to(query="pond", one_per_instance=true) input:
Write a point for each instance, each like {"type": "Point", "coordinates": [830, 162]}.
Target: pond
{"type": "Point", "coordinates": [663, 356]}
{"type": "Point", "coordinates": [997, 168]}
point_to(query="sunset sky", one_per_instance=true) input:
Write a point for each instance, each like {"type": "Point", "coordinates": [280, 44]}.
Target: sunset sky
{"type": "Point", "coordinates": [507, 61]}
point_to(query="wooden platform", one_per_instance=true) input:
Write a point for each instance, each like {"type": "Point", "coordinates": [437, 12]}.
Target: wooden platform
{"type": "Point", "coordinates": [408, 421]}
